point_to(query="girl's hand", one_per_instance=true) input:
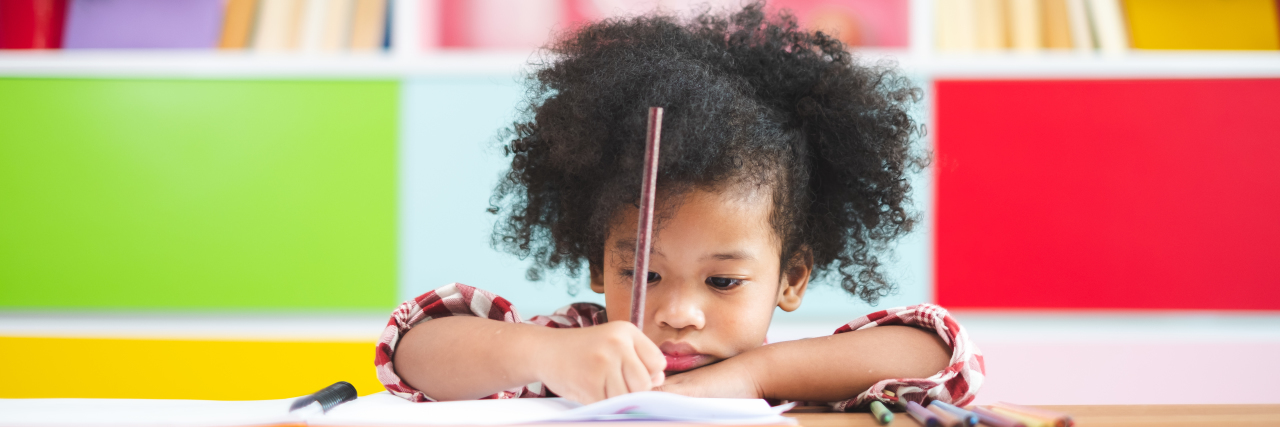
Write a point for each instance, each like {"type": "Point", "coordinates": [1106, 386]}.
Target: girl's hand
{"type": "Point", "coordinates": [591, 364]}
{"type": "Point", "coordinates": [729, 378]}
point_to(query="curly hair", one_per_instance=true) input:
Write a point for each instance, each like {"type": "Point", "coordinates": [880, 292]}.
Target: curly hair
{"type": "Point", "coordinates": [750, 99]}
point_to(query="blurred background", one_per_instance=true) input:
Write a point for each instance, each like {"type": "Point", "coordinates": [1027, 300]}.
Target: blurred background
{"type": "Point", "coordinates": [223, 199]}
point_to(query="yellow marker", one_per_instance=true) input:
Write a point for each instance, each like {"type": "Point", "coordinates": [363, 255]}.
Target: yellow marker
{"type": "Point", "coordinates": [1025, 419]}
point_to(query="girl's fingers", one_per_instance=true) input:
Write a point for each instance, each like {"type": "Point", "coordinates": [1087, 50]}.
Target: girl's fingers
{"type": "Point", "coordinates": [654, 362]}
{"type": "Point", "coordinates": [636, 376]}
{"type": "Point", "coordinates": [614, 384]}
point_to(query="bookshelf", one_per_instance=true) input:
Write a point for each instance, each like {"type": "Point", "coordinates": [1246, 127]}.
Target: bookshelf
{"type": "Point", "coordinates": [408, 59]}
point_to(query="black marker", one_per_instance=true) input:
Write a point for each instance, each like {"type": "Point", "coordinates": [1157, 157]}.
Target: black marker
{"type": "Point", "coordinates": [325, 399]}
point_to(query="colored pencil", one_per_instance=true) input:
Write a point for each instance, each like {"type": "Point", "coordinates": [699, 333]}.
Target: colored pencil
{"type": "Point", "coordinates": [968, 417]}
{"type": "Point", "coordinates": [880, 412]}
{"type": "Point", "coordinates": [644, 233]}
{"type": "Point", "coordinates": [1059, 419]}
{"type": "Point", "coordinates": [924, 416]}
{"type": "Point", "coordinates": [945, 417]}
{"type": "Point", "coordinates": [986, 416]}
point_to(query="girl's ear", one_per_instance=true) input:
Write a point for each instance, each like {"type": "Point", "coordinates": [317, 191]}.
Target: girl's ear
{"type": "Point", "coordinates": [796, 280]}
{"type": "Point", "coordinates": [597, 279]}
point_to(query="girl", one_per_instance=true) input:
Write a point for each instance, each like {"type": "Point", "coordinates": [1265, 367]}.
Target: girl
{"type": "Point", "coordinates": [781, 158]}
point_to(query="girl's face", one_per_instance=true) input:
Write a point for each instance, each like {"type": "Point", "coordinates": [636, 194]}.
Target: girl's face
{"type": "Point", "coordinates": [714, 277]}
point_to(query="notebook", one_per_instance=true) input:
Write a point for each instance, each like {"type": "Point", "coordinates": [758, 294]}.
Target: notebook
{"type": "Point", "coordinates": [384, 409]}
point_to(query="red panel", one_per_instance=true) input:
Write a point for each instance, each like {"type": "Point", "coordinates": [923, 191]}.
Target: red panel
{"type": "Point", "coordinates": [1108, 194]}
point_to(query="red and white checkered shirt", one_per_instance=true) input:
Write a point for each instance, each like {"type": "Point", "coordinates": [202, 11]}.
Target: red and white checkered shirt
{"type": "Point", "coordinates": [957, 384]}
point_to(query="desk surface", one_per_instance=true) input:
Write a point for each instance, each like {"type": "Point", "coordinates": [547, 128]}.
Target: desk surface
{"type": "Point", "coordinates": [1098, 416]}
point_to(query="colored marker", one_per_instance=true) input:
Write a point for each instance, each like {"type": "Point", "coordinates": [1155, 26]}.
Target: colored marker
{"type": "Point", "coordinates": [881, 413]}
{"type": "Point", "coordinates": [993, 419]}
{"type": "Point", "coordinates": [924, 416]}
{"type": "Point", "coordinates": [968, 417]}
{"type": "Point", "coordinates": [944, 417]}
{"type": "Point", "coordinates": [1059, 419]}
{"type": "Point", "coordinates": [1027, 420]}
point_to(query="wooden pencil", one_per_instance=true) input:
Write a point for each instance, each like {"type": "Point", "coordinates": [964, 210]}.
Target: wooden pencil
{"type": "Point", "coordinates": [644, 233]}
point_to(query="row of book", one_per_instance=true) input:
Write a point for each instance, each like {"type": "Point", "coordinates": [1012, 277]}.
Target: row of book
{"type": "Point", "coordinates": [1111, 26]}
{"type": "Point", "coordinates": [365, 25]}
{"type": "Point", "coordinates": [263, 25]}
{"type": "Point", "coordinates": [337, 25]}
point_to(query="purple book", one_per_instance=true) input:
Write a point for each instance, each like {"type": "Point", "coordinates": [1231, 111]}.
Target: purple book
{"type": "Point", "coordinates": [144, 24]}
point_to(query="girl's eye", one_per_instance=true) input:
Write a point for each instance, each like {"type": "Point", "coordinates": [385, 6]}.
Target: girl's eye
{"type": "Point", "coordinates": [723, 283]}
{"type": "Point", "coordinates": [653, 277]}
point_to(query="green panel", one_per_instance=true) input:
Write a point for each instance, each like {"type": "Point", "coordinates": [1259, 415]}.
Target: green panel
{"type": "Point", "coordinates": [197, 194]}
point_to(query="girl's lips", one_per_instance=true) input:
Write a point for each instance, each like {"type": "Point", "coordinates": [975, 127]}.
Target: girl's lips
{"type": "Point", "coordinates": [683, 362]}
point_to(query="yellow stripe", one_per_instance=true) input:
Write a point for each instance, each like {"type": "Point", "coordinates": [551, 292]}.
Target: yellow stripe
{"type": "Point", "coordinates": [179, 369]}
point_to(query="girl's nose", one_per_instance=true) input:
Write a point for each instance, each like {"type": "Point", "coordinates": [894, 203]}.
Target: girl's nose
{"type": "Point", "coordinates": [677, 305]}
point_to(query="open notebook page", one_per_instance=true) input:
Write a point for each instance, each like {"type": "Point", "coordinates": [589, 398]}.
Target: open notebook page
{"type": "Point", "coordinates": [383, 409]}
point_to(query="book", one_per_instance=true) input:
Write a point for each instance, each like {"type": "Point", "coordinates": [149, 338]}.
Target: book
{"type": "Point", "coordinates": [144, 24]}
{"type": "Point", "coordinates": [277, 25]}
{"type": "Point", "coordinates": [384, 409]}
{"type": "Point", "coordinates": [1024, 25]}
{"type": "Point", "coordinates": [991, 24]}
{"type": "Point", "coordinates": [1204, 25]}
{"type": "Point", "coordinates": [337, 25]}
{"type": "Point", "coordinates": [956, 23]}
{"type": "Point", "coordinates": [1108, 26]}
{"type": "Point", "coordinates": [1078, 23]}
{"type": "Point", "coordinates": [32, 24]}
{"type": "Point", "coordinates": [1056, 24]}
{"type": "Point", "coordinates": [311, 25]}
{"type": "Point", "coordinates": [237, 24]}
{"type": "Point", "coordinates": [368, 24]}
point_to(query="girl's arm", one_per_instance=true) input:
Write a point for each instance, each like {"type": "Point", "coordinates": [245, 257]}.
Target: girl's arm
{"type": "Point", "coordinates": [917, 353]}
{"type": "Point", "coordinates": [839, 367]}
{"type": "Point", "coordinates": [461, 358]}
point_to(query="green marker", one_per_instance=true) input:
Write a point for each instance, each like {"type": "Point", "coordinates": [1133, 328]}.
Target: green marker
{"type": "Point", "coordinates": [881, 413]}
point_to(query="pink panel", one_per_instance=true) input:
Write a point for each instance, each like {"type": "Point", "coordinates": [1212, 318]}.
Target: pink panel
{"type": "Point", "coordinates": [1093, 373]}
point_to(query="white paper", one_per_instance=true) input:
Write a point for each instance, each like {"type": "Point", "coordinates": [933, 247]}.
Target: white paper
{"type": "Point", "coordinates": [383, 409]}
{"type": "Point", "coordinates": [143, 412]}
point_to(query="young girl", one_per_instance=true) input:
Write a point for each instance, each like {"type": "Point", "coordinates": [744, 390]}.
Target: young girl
{"type": "Point", "coordinates": [781, 158]}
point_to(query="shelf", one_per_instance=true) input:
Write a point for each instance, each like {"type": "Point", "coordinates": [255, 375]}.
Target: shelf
{"type": "Point", "coordinates": [220, 65]}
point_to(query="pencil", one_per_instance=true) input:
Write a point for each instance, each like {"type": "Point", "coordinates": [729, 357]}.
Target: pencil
{"type": "Point", "coordinates": [644, 233]}
{"type": "Point", "coordinates": [880, 412]}
{"type": "Point", "coordinates": [1058, 419]}
{"type": "Point", "coordinates": [993, 419]}
{"type": "Point", "coordinates": [968, 417]}
{"type": "Point", "coordinates": [924, 416]}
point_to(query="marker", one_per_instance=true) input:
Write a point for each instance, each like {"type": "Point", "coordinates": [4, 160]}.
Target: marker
{"type": "Point", "coordinates": [945, 417]}
{"type": "Point", "coordinates": [325, 399]}
{"type": "Point", "coordinates": [1027, 420]}
{"type": "Point", "coordinates": [644, 233]}
{"type": "Point", "coordinates": [881, 413]}
{"type": "Point", "coordinates": [993, 419]}
{"type": "Point", "coordinates": [969, 418]}
{"type": "Point", "coordinates": [1057, 418]}
{"type": "Point", "coordinates": [924, 416]}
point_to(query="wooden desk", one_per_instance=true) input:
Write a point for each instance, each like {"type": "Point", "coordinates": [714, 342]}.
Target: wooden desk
{"type": "Point", "coordinates": [1097, 416]}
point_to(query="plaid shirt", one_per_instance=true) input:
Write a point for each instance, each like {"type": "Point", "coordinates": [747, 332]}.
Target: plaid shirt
{"type": "Point", "coordinates": [957, 384]}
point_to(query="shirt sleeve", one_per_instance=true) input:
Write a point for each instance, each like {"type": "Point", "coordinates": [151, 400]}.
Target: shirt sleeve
{"type": "Point", "coordinates": [457, 299]}
{"type": "Point", "coordinates": [957, 384]}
